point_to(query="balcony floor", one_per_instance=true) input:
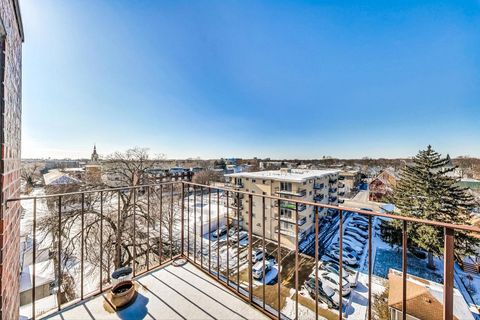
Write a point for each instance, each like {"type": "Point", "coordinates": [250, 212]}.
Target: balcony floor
{"type": "Point", "coordinates": [171, 292]}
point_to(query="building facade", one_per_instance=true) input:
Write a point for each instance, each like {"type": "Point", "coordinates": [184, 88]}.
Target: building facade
{"type": "Point", "coordinates": [11, 32]}
{"type": "Point", "coordinates": [318, 186]}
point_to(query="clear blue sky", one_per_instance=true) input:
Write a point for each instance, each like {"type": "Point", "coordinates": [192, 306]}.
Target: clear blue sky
{"type": "Point", "coordinates": [279, 79]}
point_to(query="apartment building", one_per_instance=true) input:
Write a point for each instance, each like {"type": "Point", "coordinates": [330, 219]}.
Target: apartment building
{"type": "Point", "coordinates": [320, 186]}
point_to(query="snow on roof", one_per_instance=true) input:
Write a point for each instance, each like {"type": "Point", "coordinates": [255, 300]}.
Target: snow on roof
{"type": "Point", "coordinates": [42, 306]}
{"type": "Point", "coordinates": [419, 291]}
{"type": "Point", "coordinates": [44, 273]}
{"type": "Point", "coordinates": [293, 175]}
{"type": "Point", "coordinates": [55, 177]}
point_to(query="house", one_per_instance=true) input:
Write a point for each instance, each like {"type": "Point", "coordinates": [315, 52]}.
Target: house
{"type": "Point", "coordinates": [44, 281]}
{"type": "Point", "coordinates": [382, 185]}
{"type": "Point", "coordinates": [424, 299]}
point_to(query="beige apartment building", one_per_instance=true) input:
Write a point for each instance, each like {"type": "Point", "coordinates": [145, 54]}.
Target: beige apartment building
{"type": "Point", "coordinates": [318, 186]}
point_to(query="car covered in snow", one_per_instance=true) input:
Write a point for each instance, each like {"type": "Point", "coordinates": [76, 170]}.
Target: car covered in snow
{"type": "Point", "coordinates": [347, 248]}
{"type": "Point", "coordinates": [239, 236]}
{"type": "Point", "coordinates": [220, 232]}
{"type": "Point", "coordinates": [357, 231]}
{"type": "Point", "coordinates": [354, 236]}
{"type": "Point", "coordinates": [324, 294]}
{"type": "Point", "coordinates": [335, 268]}
{"type": "Point", "coordinates": [257, 269]}
{"type": "Point", "coordinates": [352, 241]}
{"type": "Point", "coordinates": [257, 255]}
{"type": "Point", "coordinates": [348, 258]}
{"type": "Point", "coordinates": [333, 280]}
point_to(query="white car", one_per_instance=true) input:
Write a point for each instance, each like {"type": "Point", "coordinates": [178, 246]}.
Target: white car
{"type": "Point", "coordinates": [257, 269]}
{"type": "Point", "coordinates": [257, 255]}
{"type": "Point", "coordinates": [347, 249]}
{"type": "Point", "coordinates": [355, 236]}
{"type": "Point", "coordinates": [358, 231]}
{"type": "Point", "coordinates": [352, 242]}
{"type": "Point", "coordinates": [347, 258]}
{"type": "Point", "coordinates": [239, 236]}
{"type": "Point", "coordinates": [333, 280]}
{"type": "Point", "coordinates": [335, 268]}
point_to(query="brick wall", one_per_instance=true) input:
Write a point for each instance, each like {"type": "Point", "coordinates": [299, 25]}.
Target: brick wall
{"type": "Point", "coordinates": [10, 135]}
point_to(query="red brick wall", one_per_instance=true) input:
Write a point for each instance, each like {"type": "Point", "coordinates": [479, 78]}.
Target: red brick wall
{"type": "Point", "coordinates": [10, 126]}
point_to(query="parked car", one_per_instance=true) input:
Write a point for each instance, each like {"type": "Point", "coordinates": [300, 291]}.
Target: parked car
{"type": "Point", "coordinates": [358, 231]}
{"type": "Point", "coordinates": [332, 280]}
{"type": "Point", "coordinates": [232, 231]}
{"type": "Point", "coordinates": [355, 236]}
{"type": "Point", "coordinates": [257, 255]}
{"type": "Point", "coordinates": [239, 236]}
{"type": "Point", "coordinates": [358, 217]}
{"type": "Point", "coordinates": [335, 268]}
{"type": "Point", "coordinates": [325, 294]}
{"type": "Point", "coordinates": [257, 269]}
{"type": "Point", "coordinates": [220, 232]}
{"type": "Point", "coordinates": [352, 242]}
{"type": "Point", "coordinates": [359, 226]}
{"type": "Point", "coordinates": [347, 249]}
{"type": "Point", "coordinates": [348, 258]}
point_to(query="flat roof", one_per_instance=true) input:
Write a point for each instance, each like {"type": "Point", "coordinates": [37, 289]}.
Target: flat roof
{"type": "Point", "coordinates": [291, 175]}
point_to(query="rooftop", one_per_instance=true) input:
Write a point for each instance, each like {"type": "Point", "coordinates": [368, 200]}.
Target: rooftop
{"type": "Point", "coordinates": [291, 175]}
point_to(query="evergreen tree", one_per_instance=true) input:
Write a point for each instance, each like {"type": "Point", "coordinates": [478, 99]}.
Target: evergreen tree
{"type": "Point", "coordinates": [426, 191]}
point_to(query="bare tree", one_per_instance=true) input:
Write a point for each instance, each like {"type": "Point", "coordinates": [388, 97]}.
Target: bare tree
{"type": "Point", "coordinates": [30, 173]}
{"type": "Point", "coordinates": [206, 177]}
{"type": "Point", "coordinates": [131, 225]}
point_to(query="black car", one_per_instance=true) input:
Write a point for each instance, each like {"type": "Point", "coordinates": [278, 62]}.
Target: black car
{"type": "Point", "coordinates": [325, 295]}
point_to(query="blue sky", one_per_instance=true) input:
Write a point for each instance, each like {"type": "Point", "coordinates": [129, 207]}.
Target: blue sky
{"type": "Point", "coordinates": [279, 79]}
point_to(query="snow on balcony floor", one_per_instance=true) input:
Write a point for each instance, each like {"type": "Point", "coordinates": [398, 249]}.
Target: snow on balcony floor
{"type": "Point", "coordinates": [171, 292]}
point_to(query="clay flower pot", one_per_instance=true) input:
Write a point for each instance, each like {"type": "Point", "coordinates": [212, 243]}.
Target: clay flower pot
{"type": "Point", "coordinates": [122, 293]}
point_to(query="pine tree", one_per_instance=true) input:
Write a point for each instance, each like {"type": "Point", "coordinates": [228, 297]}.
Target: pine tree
{"type": "Point", "coordinates": [426, 191]}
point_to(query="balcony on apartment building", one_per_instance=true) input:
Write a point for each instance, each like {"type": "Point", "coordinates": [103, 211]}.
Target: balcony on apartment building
{"type": "Point", "coordinates": [318, 186]}
{"type": "Point", "coordinates": [318, 197]}
{"type": "Point", "coordinates": [289, 192]}
{"type": "Point", "coordinates": [174, 268]}
{"type": "Point", "coordinates": [332, 190]}
{"type": "Point", "coordinates": [333, 180]}
{"type": "Point", "coordinates": [291, 205]}
{"type": "Point", "coordinates": [291, 219]}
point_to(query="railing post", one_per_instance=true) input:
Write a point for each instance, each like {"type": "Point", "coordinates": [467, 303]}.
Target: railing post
{"type": "Point", "coordinates": [264, 256]}
{"type": "Point", "coordinates": [209, 230]}
{"type": "Point", "coordinates": [148, 229]}
{"type": "Point", "coordinates": [183, 218]}
{"type": "Point", "coordinates": [134, 263]}
{"type": "Point", "coordinates": [250, 242]}
{"type": "Point", "coordinates": [448, 274]}
{"type": "Point", "coordinates": [101, 242]}
{"type": "Point", "coordinates": [316, 262]}
{"type": "Point", "coordinates": [279, 257]}
{"type": "Point", "coordinates": [296, 260]}
{"type": "Point", "coordinates": [340, 258]}
{"type": "Point", "coordinates": [171, 223]}
{"type": "Point", "coordinates": [82, 247]}
{"type": "Point", "coordinates": [218, 234]}
{"type": "Point", "coordinates": [59, 271]}
{"type": "Point", "coordinates": [369, 314]}
{"type": "Point", "coordinates": [160, 239]}
{"type": "Point", "coordinates": [34, 253]}
{"type": "Point", "coordinates": [404, 270]}
{"type": "Point", "coordinates": [228, 240]}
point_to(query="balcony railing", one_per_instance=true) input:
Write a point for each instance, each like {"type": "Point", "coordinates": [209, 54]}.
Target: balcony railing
{"type": "Point", "coordinates": [318, 186]}
{"type": "Point", "coordinates": [318, 197]}
{"type": "Point", "coordinates": [296, 193]}
{"type": "Point", "coordinates": [151, 225]}
{"type": "Point", "coordinates": [332, 190]}
{"type": "Point", "coordinates": [291, 205]}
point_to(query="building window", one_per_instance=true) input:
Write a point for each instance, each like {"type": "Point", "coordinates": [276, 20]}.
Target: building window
{"type": "Point", "coordinates": [286, 186]}
{"type": "Point", "coordinates": [264, 181]}
{"type": "Point", "coordinates": [264, 193]}
{"type": "Point", "coordinates": [254, 180]}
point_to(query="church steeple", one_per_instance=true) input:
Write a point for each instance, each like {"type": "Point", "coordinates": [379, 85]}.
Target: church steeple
{"type": "Point", "coordinates": [94, 157]}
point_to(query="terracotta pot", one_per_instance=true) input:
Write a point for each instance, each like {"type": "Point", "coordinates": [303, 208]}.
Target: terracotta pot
{"type": "Point", "coordinates": [123, 293]}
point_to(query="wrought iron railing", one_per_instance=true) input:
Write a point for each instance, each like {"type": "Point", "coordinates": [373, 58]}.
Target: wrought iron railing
{"type": "Point", "coordinates": [172, 230]}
